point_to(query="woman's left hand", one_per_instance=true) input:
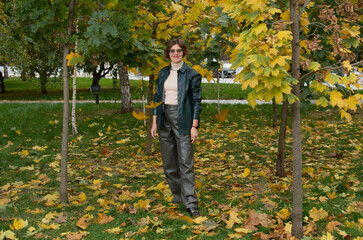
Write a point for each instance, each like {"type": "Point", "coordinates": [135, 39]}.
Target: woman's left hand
{"type": "Point", "coordinates": [193, 134]}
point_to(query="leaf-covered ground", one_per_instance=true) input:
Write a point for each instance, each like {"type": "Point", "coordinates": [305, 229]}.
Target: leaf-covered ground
{"type": "Point", "coordinates": [118, 192]}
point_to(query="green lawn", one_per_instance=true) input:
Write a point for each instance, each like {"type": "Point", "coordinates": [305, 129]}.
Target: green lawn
{"type": "Point", "coordinates": [30, 90]}
{"type": "Point", "coordinates": [118, 192]}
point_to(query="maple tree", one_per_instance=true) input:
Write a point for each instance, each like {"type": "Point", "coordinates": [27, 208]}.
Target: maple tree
{"type": "Point", "coordinates": [266, 47]}
{"type": "Point", "coordinates": [63, 191]}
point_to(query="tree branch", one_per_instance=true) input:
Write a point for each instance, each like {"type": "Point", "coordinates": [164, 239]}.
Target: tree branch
{"type": "Point", "coordinates": [303, 9]}
{"type": "Point", "coordinates": [331, 67]}
{"type": "Point", "coordinates": [317, 23]}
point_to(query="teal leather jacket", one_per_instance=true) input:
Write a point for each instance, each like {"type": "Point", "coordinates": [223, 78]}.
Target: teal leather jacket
{"type": "Point", "coordinates": [189, 97]}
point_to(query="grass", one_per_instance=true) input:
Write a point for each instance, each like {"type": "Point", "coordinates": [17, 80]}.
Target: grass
{"type": "Point", "coordinates": [30, 90]}
{"type": "Point", "coordinates": [108, 163]}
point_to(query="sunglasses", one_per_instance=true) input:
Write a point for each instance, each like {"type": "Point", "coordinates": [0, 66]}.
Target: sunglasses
{"type": "Point", "coordinates": [175, 50]}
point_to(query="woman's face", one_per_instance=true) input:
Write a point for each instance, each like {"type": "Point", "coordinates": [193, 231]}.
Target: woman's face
{"type": "Point", "coordinates": [176, 54]}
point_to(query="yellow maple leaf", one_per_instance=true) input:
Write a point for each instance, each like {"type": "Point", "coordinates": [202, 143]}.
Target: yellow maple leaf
{"type": "Point", "coordinates": [327, 236]}
{"type": "Point", "coordinates": [233, 218]}
{"type": "Point", "coordinates": [19, 224]}
{"type": "Point", "coordinates": [139, 116]}
{"type": "Point", "coordinates": [246, 172]}
{"type": "Point", "coordinates": [82, 197]}
{"type": "Point", "coordinates": [109, 128]}
{"type": "Point", "coordinates": [232, 135]}
{"type": "Point", "coordinates": [336, 99]}
{"type": "Point", "coordinates": [36, 211]}
{"type": "Point", "coordinates": [4, 201]}
{"type": "Point", "coordinates": [346, 64]}
{"type": "Point", "coordinates": [116, 230]}
{"type": "Point", "coordinates": [284, 35]}
{"type": "Point", "coordinates": [332, 195]}
{"type": "Point", "coordinates": [142, 204]}
{"type": "Point", "coordinates": [18, 132]}
{"type": "Point", "coordinates": [84, 221]}
{"type": "Point", "coordinates": [223, 115]}
{"type": "Point", "coordinates": [284, 213]}
{"type": "Point", "coordinates": [24, 152]}
{"type": "Point", "coordinates": [317, 215]}
{"type": "Point", "coordinates": [176, 7]}
{"type": "Point", "coordinates": [243, 230]}
{"type": "Point", "coordinates": [200, 220]}
{"type": "Point", "coordinates": [153, 105]}
{"type": "Point", "coordinates": [51, 226]}
{"type": "Point", "coordinates": [8, 235]}
{"type": "Point", "coordinates": [103, 218]}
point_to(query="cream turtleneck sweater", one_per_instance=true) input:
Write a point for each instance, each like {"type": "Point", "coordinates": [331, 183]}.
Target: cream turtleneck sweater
{"type": "Point", "coordinates": [171, 84]}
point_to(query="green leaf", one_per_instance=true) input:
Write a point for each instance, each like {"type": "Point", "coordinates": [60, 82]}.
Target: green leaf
{"type": "Point", "coordinates": [314, 66]}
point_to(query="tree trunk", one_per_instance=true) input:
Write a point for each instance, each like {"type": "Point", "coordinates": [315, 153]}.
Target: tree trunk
{"type": "Point", "coordinates": [280, 163]}
{"type": "Point", "coordinates": [150, 94]}
{"type": "Point", "coordinates": [63, 192]}
{"type": "Point", "coordinates": [74, 95]}
{"type": "Point", "coordinates": [6, 71]}
{"type": "Point", "coordinates": [43, 82]}
{"type": "Point", "coordinates": [219, 108]}
{"type": "Point", "coordinates": [274, 113]}
{"type": "Point", "coordinates": [2, 84]}
{"type": "Point", "coordinates": [126, 100]}
{"type": "Point", "coordinates": [297, 220]}
{"type": "Point", "coordinates": [23, 75]}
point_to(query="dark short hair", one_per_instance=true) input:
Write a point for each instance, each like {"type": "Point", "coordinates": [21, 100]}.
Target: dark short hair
{"type": "Point", "coordinates": [176, 41]}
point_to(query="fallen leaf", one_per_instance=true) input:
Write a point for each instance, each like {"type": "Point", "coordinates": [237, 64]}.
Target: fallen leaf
{"type": "Point", "coordinates": [103, 218]}
{"type": "Point", "coordinates": [317, 215]}
{"type": "Point", "coordinates": [4, 201]}
{"type": "Point", "coordinates": [332, 226]}
{"type": "Point", "coordinates": [19, 224]}
{"type": "Point", "coordinates": [114, 230]}
{"type": "Point", "coordinates": [199, 220]}
{"type": "Point", "coordinates": [222, 116]}
{"type": "Point", "coordinates": [8, 235]}
{"type": "Point", "coordinates": [76, 235]}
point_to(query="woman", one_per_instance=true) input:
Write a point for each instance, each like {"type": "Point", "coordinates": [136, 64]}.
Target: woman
{"type": "Point", "coordinates": [178, 87]}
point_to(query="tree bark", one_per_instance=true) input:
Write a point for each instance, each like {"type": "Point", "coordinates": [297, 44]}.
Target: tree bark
{"type": "Point", "coordinates": [6, 71]}
{"type": "Point", "coordinates": [280, 163]}
{"type": "Point", "coordinates": [297, 220]}
{"type": "Point", "coordinates": [74, 95]}
{"type": "Point", "coordinates": [43, 82]}
{"type": "Point", "coordinates": [274, 113]}
{"type": "Point", "coordinates": [150, 94]}
{"type": "Point", "coordinates": [63, 192]}
{"type": "Point", "coordinates": [126, 100]}
{"type": "Point", "coordinates": [2, 84]}
{"type": "Point", "coordinates": [23, 75]}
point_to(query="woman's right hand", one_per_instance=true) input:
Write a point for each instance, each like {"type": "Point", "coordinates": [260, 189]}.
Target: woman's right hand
{"type": "Point", "coordinates": [154, 128]}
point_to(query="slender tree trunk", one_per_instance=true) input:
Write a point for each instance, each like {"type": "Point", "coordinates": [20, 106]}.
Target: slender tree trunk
{"type": "Point", "coordinates": [23, 75]}
{"type": "Point", "coordinates": [6, 71]}
{"type": "Point", "coordinates": [150, 94]}
{"type": "Point", "coordinates": [126, 100]}
{"type": "Point", "coordinates": [280, 163]}
{"type": "Point", "coordinates": [63, 192]}
{"type": "Point", "coordinates": [2, 84]}
{"type": "Point", "coordinates": [74, 95]}
{"type": "Point", "coordinates": [297, 220]}
{"type": "Point", "coordinates": [274, 113]}
{"type": "Point", "coordinates": [43, 82]}
{"type": "Point", "coordinates": [218, 87]}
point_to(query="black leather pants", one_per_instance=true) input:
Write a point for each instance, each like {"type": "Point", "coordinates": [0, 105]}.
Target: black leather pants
{"type": "Point", "coordinates": [178, 159]}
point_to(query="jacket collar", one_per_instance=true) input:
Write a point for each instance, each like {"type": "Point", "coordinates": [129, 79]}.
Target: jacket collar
{"type": "Point", "coordinates": [182, 69]}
